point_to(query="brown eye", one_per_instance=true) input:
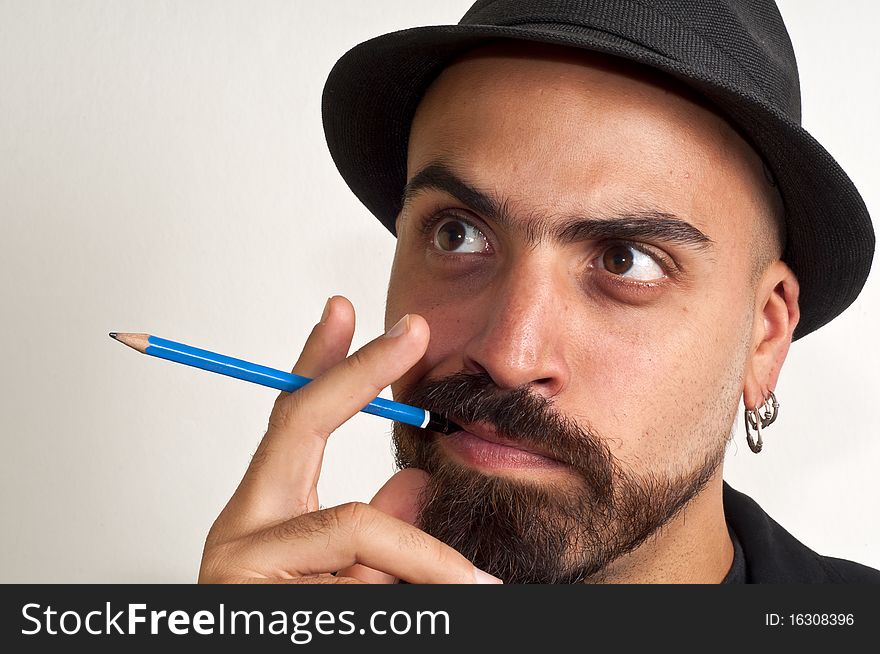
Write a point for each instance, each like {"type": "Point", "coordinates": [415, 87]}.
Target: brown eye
{"type": "Point", "coordinates": [450, 235]}
{"type": "Point", "coordinates": [632, 263]}
{"type": "Point", "coordinates": [618, 259]}
{"type": "Point", "coordinates": [453, 235]}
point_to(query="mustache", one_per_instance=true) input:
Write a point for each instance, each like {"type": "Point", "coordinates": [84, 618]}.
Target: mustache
{"type": "Point", "coordinates": [521, 416]}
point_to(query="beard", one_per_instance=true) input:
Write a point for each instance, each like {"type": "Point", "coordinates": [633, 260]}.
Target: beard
{"type": "Point", "coordinates": [525, 531]}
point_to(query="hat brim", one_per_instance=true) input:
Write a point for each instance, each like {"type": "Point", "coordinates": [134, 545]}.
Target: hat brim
{"type": "Point", "coordinates": [372, 93]}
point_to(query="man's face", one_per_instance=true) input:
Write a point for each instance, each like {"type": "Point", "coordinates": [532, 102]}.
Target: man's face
{"type": "Point", "coordinates": [579, 240]}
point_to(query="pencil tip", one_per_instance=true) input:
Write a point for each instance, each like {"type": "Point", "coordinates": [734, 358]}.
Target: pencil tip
{"type": "Point", "coordinates": [113, 334]}
{"type": "Point", "coordinates": [451, 427]}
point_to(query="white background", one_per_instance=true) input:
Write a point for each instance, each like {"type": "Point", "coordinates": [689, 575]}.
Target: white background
{"type": "Point", "coordinates": [163, 169]}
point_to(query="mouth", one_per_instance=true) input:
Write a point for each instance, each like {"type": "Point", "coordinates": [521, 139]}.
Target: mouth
{"type": "Point", "coordinates": [480, 446]}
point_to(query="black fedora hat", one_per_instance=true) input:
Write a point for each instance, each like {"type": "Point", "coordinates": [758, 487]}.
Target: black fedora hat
{"type": "Point", "coordinates": [736, 53]}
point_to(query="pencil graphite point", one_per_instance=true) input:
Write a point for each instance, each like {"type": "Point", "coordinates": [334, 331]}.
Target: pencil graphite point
{"type": "Point", "coordinates": [112, 334]}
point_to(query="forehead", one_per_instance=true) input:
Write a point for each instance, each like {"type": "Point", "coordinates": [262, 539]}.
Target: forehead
{"type": "Point", "coordinates": [552, 130]}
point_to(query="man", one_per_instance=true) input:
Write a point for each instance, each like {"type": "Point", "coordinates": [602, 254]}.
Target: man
{"type": "Point", "coordinates": [610, 228]}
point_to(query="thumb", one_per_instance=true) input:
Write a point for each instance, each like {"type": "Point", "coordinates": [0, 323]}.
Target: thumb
{"type": "Point", "coordinates": [399, 497]}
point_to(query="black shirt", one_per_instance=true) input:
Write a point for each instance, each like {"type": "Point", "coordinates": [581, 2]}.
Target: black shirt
{"type": "Point", "coordinates": [737, 572]}
{"type": "Point", "coordinates": [765, 553]}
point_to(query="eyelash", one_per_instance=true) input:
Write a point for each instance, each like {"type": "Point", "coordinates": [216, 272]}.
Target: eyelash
{"type": "Point", "coordinates": [666, 263]}
{"type": "Point", "coordinates": [428, 225]}
{"type": "Point", "coordinates": [663, 260]}
{"type": "Point", "coordinates": [426, 230]}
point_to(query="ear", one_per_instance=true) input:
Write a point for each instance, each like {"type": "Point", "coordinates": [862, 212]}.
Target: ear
{"type": "Point", "coordinates": [776, 315]}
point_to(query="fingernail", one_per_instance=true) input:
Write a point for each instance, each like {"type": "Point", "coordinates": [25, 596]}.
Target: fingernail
{"type": "Point", "coordinates": [485, 578]}
{"type": "Point", "coordinates": [326, 313]}
{"type": "Point", "coordinates": [402, 327]}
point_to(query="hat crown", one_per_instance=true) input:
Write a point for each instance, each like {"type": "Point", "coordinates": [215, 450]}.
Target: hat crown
{"type": "Point", "coordinates": [741, 42]}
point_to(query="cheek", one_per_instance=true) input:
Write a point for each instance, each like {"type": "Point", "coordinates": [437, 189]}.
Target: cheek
{"type": "Point", "coordinates": [453, 315]}
{"type": "Point", "coordinates": [661, 396]}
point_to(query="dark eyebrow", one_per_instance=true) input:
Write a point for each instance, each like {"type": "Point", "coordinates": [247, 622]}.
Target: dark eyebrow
{"type": "Point", "coordinates": [651, 224]}
{"type": "Point", "coordinates": [648, 225]}
{"type": "Point", "coordinates": [439, 177]}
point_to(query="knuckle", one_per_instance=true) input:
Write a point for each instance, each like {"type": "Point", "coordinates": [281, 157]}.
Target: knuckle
{"type": "Point", "coordinates": [228, 525]}
{"type": "Point", "coordinates": [366, 365]}
{"type": "Point", "coordinates": [280, 398]}
{"type": "Point", "coordinates": [359, 359]}
{"type": "Point", "coordinates": [216, 534]}
{"type": "Point", "coordinates": [354, 516]}
{"type": "Point", "coordinates": [283, 410]}
{"type": "Point", "coordinates": [262, 455]}
{"type": "Point", "coordinates": [217, 560]}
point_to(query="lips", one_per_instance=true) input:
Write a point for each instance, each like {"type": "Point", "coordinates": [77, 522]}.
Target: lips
{"type": "Point", "coordinates": [481, 446]}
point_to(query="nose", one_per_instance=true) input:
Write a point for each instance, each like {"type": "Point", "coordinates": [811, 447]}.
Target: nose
{"type": "Point", "coordinates": [520, 338]}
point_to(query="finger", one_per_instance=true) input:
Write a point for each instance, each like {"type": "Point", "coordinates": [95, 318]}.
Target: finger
{"type": "Point", "coordinates": [283, 474]}
{"type": "Point", "coordinates": [399, 498]}
{"type": "Point", "coordinates": [327, 345]}
{"type": "Point", "coordinates": [401, 495]}
{"type": "Point", "coordinates": [334, 539]}
{"type": "Point", "coordinates": [329, 341]}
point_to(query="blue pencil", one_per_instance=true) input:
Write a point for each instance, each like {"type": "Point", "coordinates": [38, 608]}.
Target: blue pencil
{"type": "Point", "coordinates": [278, 379]}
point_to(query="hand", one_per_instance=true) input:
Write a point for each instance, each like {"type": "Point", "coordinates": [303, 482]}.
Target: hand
{"type": "Point", "coordinates": [271, 530]}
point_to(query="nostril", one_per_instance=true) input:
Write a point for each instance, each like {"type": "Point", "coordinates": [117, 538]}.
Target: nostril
{"type": "Point", "coordinates": [547, 387]}
{"type": "Point", "coordinates": [473, 366]}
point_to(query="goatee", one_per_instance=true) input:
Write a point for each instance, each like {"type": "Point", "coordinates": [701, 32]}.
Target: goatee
{"type": "Point", "coordinates": [528, 531]}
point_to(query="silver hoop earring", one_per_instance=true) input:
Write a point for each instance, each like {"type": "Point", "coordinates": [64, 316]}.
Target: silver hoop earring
{"type": "Point", "coordinates": [770, 410]}
{"type": "Point", "coordinates": [760, 418]}
{"type": "Point", "coordinates": [753, 423]}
